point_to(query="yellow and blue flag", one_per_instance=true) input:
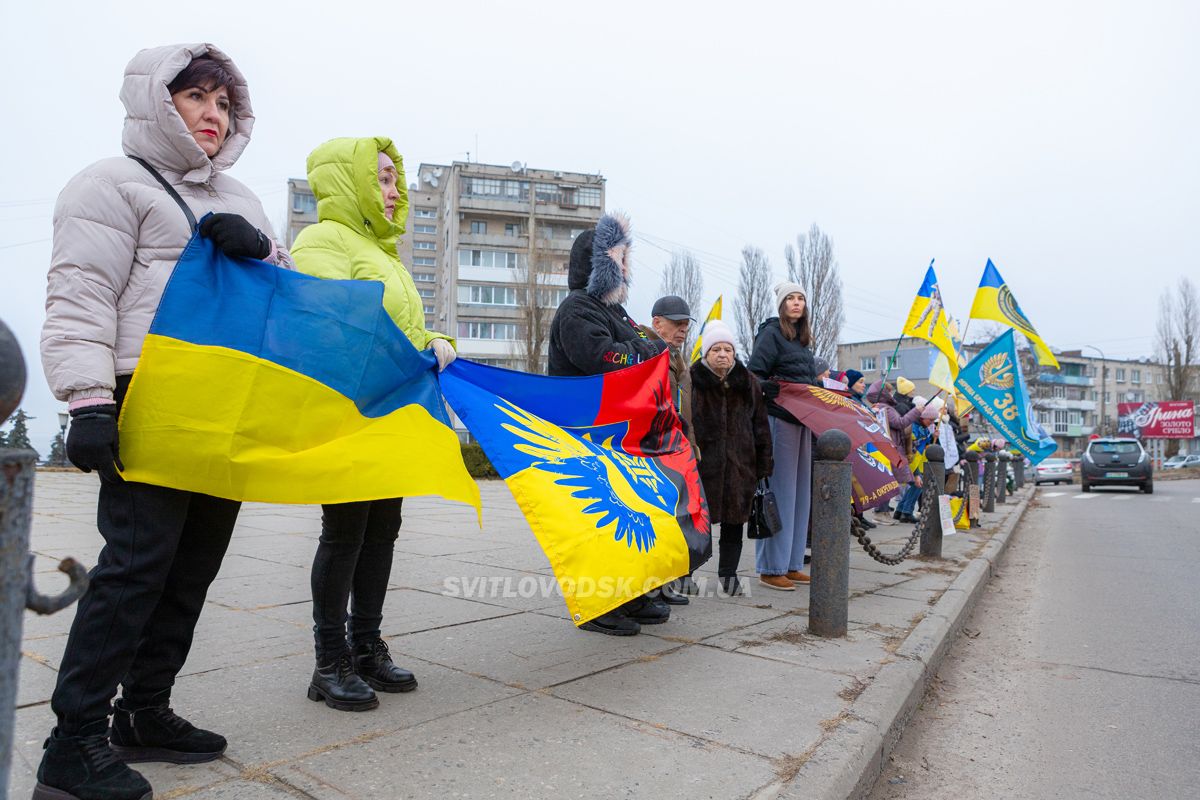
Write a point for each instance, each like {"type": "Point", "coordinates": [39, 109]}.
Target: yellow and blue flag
{"type": "Point", "coordinates": [257, 383]}
{"type": "Point", "coordinates": [601, 468]}
{"type": "Point", "coordinates": [995, 301]}
{"type": "Point", "coordinates": [928, 320]}
{"type": "Point", "coordinates": [994, 384]}
{"type": "Point", "coordinates": [713, 313]}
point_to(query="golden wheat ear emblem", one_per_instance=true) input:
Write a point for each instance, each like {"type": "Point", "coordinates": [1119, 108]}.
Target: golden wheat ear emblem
{"type": "Point", "coordinates": [997, 372]}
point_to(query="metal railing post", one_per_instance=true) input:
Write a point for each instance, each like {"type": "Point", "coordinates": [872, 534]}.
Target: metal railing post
{"type": "Point", "coordinates": [988, 494]}
{"type": "Point", "coordinates": [829, 589]}
{"type": "Point", "coordinates": [971, 486]}
{"type": "Point", "coordinates": [1019, 472]}
{"type": "Point", "coordinates": [1002, 461]}
{"type": "Point", "coordinates": [934, 487]}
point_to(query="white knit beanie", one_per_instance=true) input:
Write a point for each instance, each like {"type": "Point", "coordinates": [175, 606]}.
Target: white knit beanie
{"type": "Point", "coordinates": [785, 288]}
{"type": "Point", "coordinates": [714, 332]}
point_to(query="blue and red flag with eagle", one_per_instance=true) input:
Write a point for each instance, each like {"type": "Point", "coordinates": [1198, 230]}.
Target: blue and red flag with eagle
{"type": "Point", "coordinates": [601, 469]}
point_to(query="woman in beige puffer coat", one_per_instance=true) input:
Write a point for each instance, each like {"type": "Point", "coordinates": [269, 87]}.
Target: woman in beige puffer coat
{"type": "Point", "coordinates": [118, 231]}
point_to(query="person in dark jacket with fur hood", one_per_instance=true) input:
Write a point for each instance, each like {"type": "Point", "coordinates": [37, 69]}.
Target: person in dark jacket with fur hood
{"type": "Point", "coordinates": [593, 334]}
{"type": "Point", "coordinates": [729, 425]}
{"type": "Point", "coordinates": [783, 352]}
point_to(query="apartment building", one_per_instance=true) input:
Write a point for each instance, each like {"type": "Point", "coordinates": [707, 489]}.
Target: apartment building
{"type": "Point", "coordinates": [1072, 403]}
{"type": "Point", "coordinates": [479, 239]}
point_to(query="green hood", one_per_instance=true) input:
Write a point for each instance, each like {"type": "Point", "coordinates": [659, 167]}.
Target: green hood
{"type": "Point", "coordinates": [343, 175]}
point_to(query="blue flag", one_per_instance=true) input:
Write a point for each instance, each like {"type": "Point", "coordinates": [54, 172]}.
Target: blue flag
{"type": "Point", "coordinates": [994, 384]}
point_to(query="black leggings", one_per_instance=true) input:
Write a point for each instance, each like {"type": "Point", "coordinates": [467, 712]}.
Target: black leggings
{"type": "Point", "coordinates": [353, 561]}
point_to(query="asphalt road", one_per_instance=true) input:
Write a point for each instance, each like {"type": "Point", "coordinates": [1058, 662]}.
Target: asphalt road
{"type": "Point", "coordinates": [1078, 675]}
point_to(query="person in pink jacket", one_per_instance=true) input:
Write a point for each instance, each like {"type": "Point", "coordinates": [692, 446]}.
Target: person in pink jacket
{"type": "Point", "coordinates": [119, 227]}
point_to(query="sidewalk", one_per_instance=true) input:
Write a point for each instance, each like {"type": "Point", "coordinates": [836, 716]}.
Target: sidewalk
{"type": "Point", "coordinates": [731, 698]}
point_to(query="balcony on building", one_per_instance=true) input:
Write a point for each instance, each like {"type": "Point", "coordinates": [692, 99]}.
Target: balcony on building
{"type": "Point", "coordinates": [1065, 380]}
{"type": "Point", "coordinates": [1063, 404]}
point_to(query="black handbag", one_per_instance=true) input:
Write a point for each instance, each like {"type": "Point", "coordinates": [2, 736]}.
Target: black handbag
{"type": "Point", "coordinates": [764, 513]}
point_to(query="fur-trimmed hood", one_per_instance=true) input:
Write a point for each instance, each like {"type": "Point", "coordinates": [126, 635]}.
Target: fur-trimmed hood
{"type": "Point", "coordinates": [611, 260]}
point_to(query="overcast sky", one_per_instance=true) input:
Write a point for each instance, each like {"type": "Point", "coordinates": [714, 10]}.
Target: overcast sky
{"type": "Point", "coordinates": [1057, 138]}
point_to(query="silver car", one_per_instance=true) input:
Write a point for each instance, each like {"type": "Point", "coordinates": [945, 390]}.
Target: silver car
{"type": "Point", "coordinates": [1181, 461]}
{"type": "Point", "coordinates": [1053, 470]}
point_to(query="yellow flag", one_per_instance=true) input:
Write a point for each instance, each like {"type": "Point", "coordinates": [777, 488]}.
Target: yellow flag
{"type": "Point", "coordinates": [927, 319]}
{"type": "Point", "coordinates": [994, 301]}
{"type": "Point", "coordinates": [715, 313]}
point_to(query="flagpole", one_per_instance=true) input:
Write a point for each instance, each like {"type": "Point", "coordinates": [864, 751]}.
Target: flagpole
{"type": "Point", "coordinates": [892, 360]}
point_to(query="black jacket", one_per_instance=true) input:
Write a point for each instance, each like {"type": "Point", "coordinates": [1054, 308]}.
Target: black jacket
{"type": "Point", "coordinates": [775, 357]}
{"type": "Point", "coordinates": [729, 425]}
{"type": "Point", "coordinates": [591, 332]}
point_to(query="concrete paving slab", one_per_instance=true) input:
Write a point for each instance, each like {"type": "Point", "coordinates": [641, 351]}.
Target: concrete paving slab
{"type": "Point", "coordinates": [263, 711]}
{"type": "Point", "coordinates": [787, 639]}
{"type": "Point", "coordinates": [764, 719]}
{"type": "Point", "coordinates": [527, 650]}
{"type": "Point", "coordinates": [529, 747]}
{"type": "Point", "coordinates": [705, 617]}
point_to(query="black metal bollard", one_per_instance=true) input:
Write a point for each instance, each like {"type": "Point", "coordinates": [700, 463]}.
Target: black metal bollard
{"type": "Point", "coordinates": [17, 590]}
{"type": "Point", "coordinates": [829, 589]}
{"type": "Point", "coordinates": [934, 487]}
{"type": "Point", "coordinates": [1019, 472]}
{"type": "Point", "coordinates": [1002, 462]}
{"type": "Point", "coordinates": [971, 486]}
{"type": "Point", "coordinates": [988, 495]}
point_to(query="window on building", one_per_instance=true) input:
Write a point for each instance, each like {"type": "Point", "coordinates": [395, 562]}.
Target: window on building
{"type": "Point", "coordinates": [1043, 418]}
{"type": "Point", "coordinates": [426, 293]}
{"type": "Point", "coordinates": [1108, 397]}
{"type": "Point", "coordinates": [512, 229]}
{"type": "Point", "coordinates": [1094, 396]}
{"type": "Point", "coordinates": [496, 188]}
{"type": "Point", "coordinates": [424, 213]}
{"type": "Point", "coordinates": [552, 298]}
{"type": "Point", "coordinates": [424, 261]}
{"type": "Point", "coordinates": [1062, 422]}
{"type": "Point", "coordinates": [478, 226]}
{"type": "Point", "coordinates": [424, 228]}
{"type": "Point", "coordinates": [428, 309]}
{"type": "Point", "coordinates": [546, 192]}
{"type": "Point", "coordinates": [866, 364]}
{"type": "Point", "coordinates": [1135, 376]}
{"type": "Point", "coordinates": [587, 196]}
{"type": "Point", "coordinates": [424, 245]}
{"type": "Point", "coordinates": [504, 331]}
{"type": "Point", "coordinates": [423, 277]}
{"type": "Point", "coordinates": [500, 259]}
{"type": "Point", "coordinates": [487, 295]}
{"type": "Point", "coordinates": [1058, 391]}
{"type": "Point", "coordinates": [304, 203]}
{"type": "Point", "coordinates": [1120, 374]}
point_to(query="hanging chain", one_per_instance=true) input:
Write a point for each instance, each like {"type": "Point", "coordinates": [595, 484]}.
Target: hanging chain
{"type": "Point", "coordinates": [860, 532]}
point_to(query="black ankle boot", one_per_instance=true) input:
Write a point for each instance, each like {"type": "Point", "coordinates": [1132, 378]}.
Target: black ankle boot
{"type": "Point", "coordinates": [83, 766]}
{"type": "Point", "coordinates": [337, 684]}
{"type": "Point", "coordinates": [373, 663]}
{"type": "Point", "coordinates": [156, 733]}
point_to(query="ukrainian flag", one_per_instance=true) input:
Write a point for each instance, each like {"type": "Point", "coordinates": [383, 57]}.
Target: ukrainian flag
{"type": "Point", "coordinates": [995, 301]}
{"type": "Point", "coordinates": [714, 313]}
{"type": "Point", "coordinates": [928, 320]}
{"type": "Point", "coordinates": [600, 467]}
{"type": "Point", "coordinates": [257, 383]}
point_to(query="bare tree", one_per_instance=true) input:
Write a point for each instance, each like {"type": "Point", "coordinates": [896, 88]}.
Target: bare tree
{"type": "Point", "coordinates": [683, 278]}
{"type": "Point", "coordinates": [812, 265]}
{"type": "Point", "coordinates": [535, 299]}
{"type": "Point", "coordinates": [1177, 339]}
{"type": "Point", "coordinates": [754, 297]}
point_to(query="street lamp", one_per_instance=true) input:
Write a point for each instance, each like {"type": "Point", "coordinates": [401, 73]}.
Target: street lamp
{"type": "Point", "coordinates": [1103, 388]}
{"type": "Point", "coordinates": [63, 416]}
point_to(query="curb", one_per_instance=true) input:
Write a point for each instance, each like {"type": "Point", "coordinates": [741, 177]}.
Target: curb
{"type": "Point", "coordinates": [849, 761]}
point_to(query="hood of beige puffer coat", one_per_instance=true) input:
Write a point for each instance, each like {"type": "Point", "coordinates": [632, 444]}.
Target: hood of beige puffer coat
{"type": "Point", "coordinates": [154, 130]}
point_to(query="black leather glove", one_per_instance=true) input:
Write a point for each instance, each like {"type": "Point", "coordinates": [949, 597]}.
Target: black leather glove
{"type": "Point", "coordinates": [235, 236]}
{"type": "Point", "coordinates": [770, 389]}
{"type": "Point", "coordinates": [92, 439]}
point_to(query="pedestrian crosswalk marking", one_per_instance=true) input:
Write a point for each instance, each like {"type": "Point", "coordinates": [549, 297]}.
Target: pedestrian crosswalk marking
{"type": "Point", "coordinates": [1085, 497]}
{"type": "Point", "coordinates": [1196, 499]}
{"type": "Point", "coordinates": [1123, 497]}
{"type": "Point", "coordinates": [1060, 494]}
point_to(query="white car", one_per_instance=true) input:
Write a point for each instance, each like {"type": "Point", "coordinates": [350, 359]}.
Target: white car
{"type": "Point", "coordinates": [1053, 470]}
{"type": "Point", "coordinates": [1181, 461]}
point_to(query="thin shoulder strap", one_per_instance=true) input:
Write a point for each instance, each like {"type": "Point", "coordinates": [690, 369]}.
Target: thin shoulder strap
{"type": "Point", "coordinates": [187, 212]}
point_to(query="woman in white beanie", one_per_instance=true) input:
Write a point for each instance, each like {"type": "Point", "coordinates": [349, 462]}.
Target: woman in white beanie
{"type": "Point", "coordinates": [729, 426]}
{"type": "Point", "coordinates": [783, 353]}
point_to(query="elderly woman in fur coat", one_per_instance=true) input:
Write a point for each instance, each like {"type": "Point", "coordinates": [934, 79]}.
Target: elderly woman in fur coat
{"type": "Point", "coordinates": [729, 426]}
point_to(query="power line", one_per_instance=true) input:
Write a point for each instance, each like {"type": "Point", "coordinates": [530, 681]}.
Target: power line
{"type": "Point", "coordinates": [22, 244]}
